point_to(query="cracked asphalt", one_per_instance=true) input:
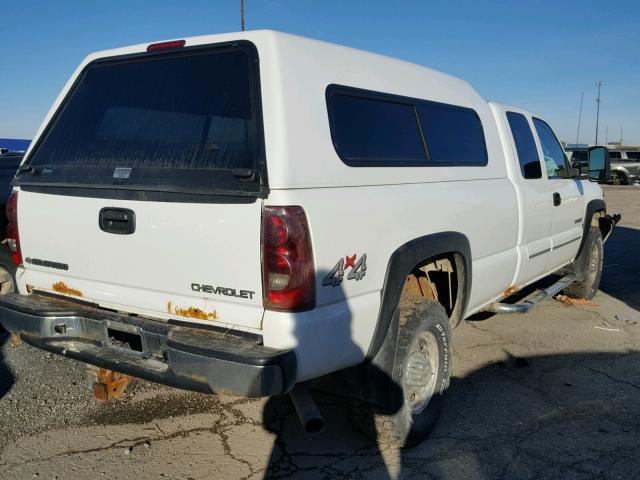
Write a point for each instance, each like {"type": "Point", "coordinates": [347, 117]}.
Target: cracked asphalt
{"type": "Point", "coordinates": [554, 393]}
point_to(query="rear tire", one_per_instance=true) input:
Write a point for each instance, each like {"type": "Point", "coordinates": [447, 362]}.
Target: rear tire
{"type": "Point", "coordinates": [422, 368]}
{"type": "Point", "coordinates": [619, 178]}
{"type": "Point", "coordinates": [7, 271]}
{"type": "Point", "coordinates": [590, 263]}
{"type": "Point", "coordinates": [410, 393]}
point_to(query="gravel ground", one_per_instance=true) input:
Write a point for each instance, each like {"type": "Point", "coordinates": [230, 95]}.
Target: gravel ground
{"type": "Point", "coordinates": [550, 394]}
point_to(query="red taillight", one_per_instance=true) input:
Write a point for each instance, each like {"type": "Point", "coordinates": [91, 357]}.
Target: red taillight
{"type": "Point", "coordinates": [166, 45]}
{"type": "Point", "coordinates": [13, 236]}
{"type": "Point", "coordinates": [288, 272]}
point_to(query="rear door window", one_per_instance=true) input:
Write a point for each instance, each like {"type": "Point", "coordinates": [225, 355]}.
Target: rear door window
{"type": "Point", "coordinates": [614, 155]}
{"type": "Point", "coordinates": [554, 158]}
{"type": "Point", "coordinates": [186, 121]}
{"type": "Point", "coordinates": [525, 146]}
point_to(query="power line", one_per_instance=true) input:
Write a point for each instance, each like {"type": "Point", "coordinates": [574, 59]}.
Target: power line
{"type": "Point", "coordinates": [242, 14]}
{"type": "Point", "coordinates": [599, 84]}
{"type": "Point", "coordinates": [579, 118]}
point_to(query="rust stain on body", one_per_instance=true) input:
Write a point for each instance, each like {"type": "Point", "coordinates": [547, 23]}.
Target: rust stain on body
{"type": "Point", "coordinates": [193, 312]}
{"type": "Point", "coordinates": [510, 291]}
{"type": "Point", "coordinates": [62, 287]}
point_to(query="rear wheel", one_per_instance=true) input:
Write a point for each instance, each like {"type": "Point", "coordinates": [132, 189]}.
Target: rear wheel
{"type": "Point", "coordinates": [590, 263]}
{"type": "Point", "coordinates": [422, 367]}
{"type": "Point", "coordinates": [7, 272]}
{"type": "Point", "coordinates": [413, 388]}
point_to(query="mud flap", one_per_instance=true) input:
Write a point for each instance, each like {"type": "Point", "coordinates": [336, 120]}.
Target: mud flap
{"type": "Point", "coordinates": [606, 224]}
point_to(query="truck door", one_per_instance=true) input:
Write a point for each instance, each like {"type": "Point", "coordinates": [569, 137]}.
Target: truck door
{"type": "Point", "coordinates": [566, 197]}
{"type": "Point", "coordinates": [537, 211]}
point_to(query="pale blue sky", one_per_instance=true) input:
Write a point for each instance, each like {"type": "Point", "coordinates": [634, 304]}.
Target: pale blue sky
{"type": "Point", "coordinates": [538, 54]}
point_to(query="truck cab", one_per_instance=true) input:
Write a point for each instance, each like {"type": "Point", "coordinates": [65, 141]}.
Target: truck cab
{"type": "Point", "coordinates": [552, 202]}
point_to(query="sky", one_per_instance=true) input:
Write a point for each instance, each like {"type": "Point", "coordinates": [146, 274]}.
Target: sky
{"type": "Point", "coordinates": [539, 55]}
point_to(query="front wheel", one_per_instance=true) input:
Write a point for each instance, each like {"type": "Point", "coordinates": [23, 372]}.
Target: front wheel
{"type": "Point", "coordinates": [590, 263]}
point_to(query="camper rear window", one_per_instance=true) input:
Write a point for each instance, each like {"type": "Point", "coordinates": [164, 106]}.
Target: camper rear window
{"type": "Point", "coordinates": [186, 121]}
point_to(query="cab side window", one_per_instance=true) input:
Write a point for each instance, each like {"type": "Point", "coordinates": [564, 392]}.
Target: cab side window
{"type": "Point", "coordinates": [554, 158]}
{"type": "Point", "coordinates": [525, 146]}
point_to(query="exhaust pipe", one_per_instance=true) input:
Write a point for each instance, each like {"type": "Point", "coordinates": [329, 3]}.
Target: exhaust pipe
{"type": "Point", "coordinates": [306, 409]}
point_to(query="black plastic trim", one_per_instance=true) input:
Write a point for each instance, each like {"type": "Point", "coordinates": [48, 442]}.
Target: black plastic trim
{"type": "Point", "coordinates": [593, 206]}
{"type": "Point", "coordinates": [400, 265]}
{"type": "Point", "coordinates": [139, 195]}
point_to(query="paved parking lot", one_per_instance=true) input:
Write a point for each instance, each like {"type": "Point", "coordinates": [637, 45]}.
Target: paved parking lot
{"type": "Point", "coordinates": [551, 394]}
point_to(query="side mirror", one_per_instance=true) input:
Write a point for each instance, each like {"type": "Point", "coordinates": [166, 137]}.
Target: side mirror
{"type": "Point", "coordinates": [599, 165]}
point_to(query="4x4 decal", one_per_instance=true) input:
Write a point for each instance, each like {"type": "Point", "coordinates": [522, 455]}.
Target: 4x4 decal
{"type": "Point", "coordinates": [358, 270]}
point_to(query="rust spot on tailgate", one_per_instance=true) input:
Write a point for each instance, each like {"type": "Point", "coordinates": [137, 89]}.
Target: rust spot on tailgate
{"type": "Point", "coordinates": [62, 287]}
{"type": "Point", "coordinates": [193, 312]}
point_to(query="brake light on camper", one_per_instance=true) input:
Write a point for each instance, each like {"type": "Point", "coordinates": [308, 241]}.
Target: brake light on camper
{"type": "Point", "coordinates": [166, 45]}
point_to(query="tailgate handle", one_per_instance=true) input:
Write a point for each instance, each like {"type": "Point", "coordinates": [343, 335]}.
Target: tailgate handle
{"type": "Point", "coordinates": [120, 221]}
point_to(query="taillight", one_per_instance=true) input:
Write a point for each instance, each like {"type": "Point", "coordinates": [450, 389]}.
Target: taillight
{"type": "Point", "coordinates": [13, 236]}
{"type": "Point", "coordinates": [288, 272]}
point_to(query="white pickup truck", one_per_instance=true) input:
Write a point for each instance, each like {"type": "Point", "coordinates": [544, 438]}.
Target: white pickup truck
{"type": "Point", "coordinates": [248, 212]}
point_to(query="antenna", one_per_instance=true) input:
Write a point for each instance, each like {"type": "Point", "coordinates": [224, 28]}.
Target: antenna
{"type": "Point", "coordinates": [242, 14]}
{"type": "Point", "coordinates": [579, 118]}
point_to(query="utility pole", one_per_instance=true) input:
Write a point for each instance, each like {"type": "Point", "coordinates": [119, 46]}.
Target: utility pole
{"type": "Point", "coordinates": [599, 84]}
{"type": "Point", "coordinates": [579, 118]}
{"type": "Point", "coordinates": [242, 14]}
{"type": "Point", "coordinates": [606, 135]}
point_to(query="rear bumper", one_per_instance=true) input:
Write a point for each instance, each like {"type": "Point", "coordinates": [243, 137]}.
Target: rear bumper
{"type": "Point", "coordinates": [175, 355]}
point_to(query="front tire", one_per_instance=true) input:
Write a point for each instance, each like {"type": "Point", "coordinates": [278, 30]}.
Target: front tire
{"type": "Point", "coordinates": [590, 263]}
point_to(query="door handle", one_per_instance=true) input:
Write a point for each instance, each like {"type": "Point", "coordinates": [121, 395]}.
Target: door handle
{"type": "Point", "coordinates": [120, 221]}
{"type": "Point", "coordinates": [556, 199]}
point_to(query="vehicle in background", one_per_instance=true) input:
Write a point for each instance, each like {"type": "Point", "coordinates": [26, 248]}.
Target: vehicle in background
{"type": "Point", "coordinates": [16, 145]}
{"type": "Point", "coordinates": [625, 166]}
{"type": "Point", "coordinates": [625, 163]}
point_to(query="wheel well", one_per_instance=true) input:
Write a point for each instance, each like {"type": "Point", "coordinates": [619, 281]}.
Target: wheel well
{"type": "Point", "coordinates": [439, 278]}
